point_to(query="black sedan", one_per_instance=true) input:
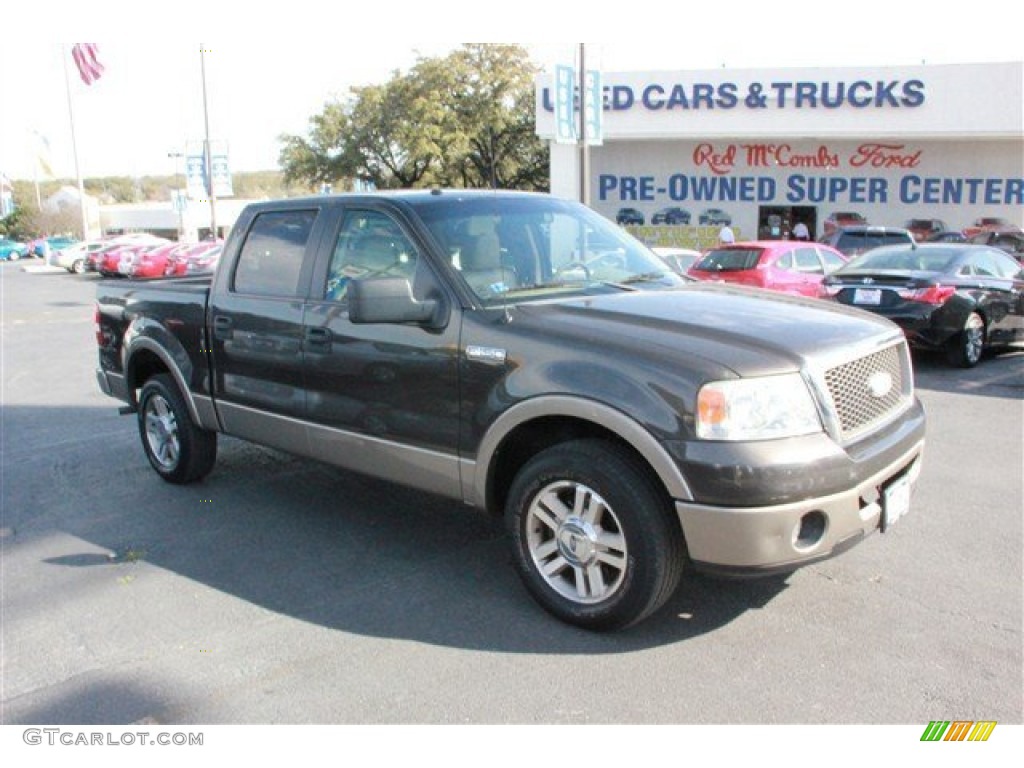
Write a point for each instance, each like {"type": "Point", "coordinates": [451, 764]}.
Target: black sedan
{"type": "Point", "coordinates": [960, 298]}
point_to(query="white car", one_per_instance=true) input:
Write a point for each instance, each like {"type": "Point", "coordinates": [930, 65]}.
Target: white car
{"type": "Point", "coordinates": [678, 259]}
{"type": "Point", "coordinates": [73, 257]}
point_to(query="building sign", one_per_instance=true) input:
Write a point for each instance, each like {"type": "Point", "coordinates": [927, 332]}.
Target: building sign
{"type": "Point", "coordinates": [727, 173]}
{"type": "Point", "coordinates": [758, 95]}
{"type": "Point", "coordinates": [195, 171]}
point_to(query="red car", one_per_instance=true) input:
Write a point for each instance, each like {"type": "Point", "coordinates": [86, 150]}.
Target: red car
{"type": "Point", "coordinates": [115, 262]}
{"type": "Point", "coordinates": [153, 262]}
{"type": "Point", "coordinates": [787, 266]}
{"type": "Point", "coordinates": [179, 264]}
{"type": "Point", "coordinates": [102, 261]}
{"type": "Point", "coordinates": [987, 223]}
{"type": "Point", "coordinates": [839, 219]}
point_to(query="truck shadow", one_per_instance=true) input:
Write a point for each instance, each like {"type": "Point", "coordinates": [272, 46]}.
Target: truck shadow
{"type": "Point", "coordinates": [316, 544]}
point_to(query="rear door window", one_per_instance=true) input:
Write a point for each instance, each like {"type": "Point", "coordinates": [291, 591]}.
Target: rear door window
{"type": "Point", "coordinates": [807, 261]}
{"type": "Point", "coordinates": [271, 258]}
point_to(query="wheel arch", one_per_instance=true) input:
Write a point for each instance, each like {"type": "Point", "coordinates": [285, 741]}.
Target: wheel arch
{"type": "Point", "coordinates": [147, 359]}
{"type": "Point", "coordinates": [539, 423]}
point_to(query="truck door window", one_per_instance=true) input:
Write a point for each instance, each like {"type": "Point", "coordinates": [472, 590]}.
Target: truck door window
{"type": "Point", "coordinates": [370, 244]}
{"type": "Point", "coordinates": [271, 257]}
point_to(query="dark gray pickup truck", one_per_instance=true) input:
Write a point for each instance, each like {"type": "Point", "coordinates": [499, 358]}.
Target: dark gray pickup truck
{"type": "Point", "coordinates": [527, 357]}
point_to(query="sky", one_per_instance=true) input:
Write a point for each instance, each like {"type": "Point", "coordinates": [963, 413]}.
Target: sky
{"type": "Point", "coordinates": [269, 70]}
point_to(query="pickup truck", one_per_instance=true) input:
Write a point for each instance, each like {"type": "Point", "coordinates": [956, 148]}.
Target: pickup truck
{"type": "Point", "coordinates": [523, 355]}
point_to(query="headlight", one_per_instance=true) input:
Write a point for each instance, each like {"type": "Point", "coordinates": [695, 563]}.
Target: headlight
{"type": "Point", "coordinates": [759, 408]}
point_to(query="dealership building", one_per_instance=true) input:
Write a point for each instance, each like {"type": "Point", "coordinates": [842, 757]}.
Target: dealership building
{"type": "Point", "coordinates": [762, 149]}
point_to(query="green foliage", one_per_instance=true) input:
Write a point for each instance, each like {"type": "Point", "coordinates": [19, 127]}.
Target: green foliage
{"type": "Point", "coordinates": [465, 120]}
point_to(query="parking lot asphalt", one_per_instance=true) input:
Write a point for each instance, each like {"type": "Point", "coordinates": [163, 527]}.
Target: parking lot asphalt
{"type": "Point", "coordinates": [282, 591]}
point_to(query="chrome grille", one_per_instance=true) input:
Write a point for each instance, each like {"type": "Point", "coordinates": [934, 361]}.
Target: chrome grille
{"type": "Point", "coordinates": [854, 388]}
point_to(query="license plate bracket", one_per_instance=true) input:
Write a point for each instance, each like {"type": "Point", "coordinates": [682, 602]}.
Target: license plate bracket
{"type": "Point", "coordinates": [868, 296]}
{"type": "Point", "coordinates": [895, 502]}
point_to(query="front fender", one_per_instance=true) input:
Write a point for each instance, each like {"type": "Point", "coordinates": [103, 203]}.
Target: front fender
{"type": "Point", "coordinates": [476, 474]}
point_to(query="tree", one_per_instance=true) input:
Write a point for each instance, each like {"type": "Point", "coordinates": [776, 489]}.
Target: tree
{"type": "Point", "coordinates": [465, 120]}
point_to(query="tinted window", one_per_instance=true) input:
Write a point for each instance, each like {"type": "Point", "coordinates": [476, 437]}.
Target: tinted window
{"type": "Point", "coordinates": [909, 259]}
{"type": "Point", "coordinates": [271, 257]}
{"type": "Point", "coordinates": [862, 241]}
{"type": "Point", "coordinates": [370, 244]}
{"type": "Point", "coordinates": [730, 259]}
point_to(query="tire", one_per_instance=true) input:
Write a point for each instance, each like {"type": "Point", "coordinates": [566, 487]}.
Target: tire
{"type": "Point", "coordinates": [78, 266]}
{"type": "Point", "coordinates": [594, 537]}
{"type": "Point", "coordinates": [177, 449]}
{"type": "Point", "coordinates": [14, 256]}
{"type": "Point", "coordinates": [965, 349]}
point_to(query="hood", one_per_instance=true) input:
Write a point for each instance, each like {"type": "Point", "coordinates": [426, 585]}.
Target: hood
{"type": "Point", "coordinates": [733, 328]}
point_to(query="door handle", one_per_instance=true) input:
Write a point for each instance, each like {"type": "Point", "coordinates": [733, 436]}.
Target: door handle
{"type": "Point", "coordinates": [318, 340]}
{"type": "Point", "coordinates": [223, 328]}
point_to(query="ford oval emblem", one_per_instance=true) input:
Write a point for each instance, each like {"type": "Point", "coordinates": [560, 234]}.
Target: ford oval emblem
{"type": "Point", "coordinates": [879, 384]}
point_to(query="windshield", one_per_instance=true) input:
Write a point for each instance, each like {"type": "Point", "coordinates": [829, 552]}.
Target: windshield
{"type": "Point", "coordinates": [511, 248]}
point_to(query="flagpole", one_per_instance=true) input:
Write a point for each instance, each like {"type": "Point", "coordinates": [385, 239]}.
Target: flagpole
{"type": "Point", "coordinates": [208, 155]}
{"type": "Point", "coordinates": [74, 146]}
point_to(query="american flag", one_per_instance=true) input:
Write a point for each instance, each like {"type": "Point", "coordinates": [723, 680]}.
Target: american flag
{"type": "Point", "coordinates": [86, 56]}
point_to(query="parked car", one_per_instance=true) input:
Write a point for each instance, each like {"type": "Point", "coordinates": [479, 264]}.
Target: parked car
{"type": "Point", "coordinates": [205, 261]}
{"type": "Point", "coordinates": [962, 298]}
{"type": "Point", "coordinates": [96, 257]}
{"type": "Point", "coordinates": [43, 247]}
{"type": "Point", "coordinates": [147, 260]}
{"type": "Point", "coordinates": [178, 263]}
{"type": "Point", "coordinates": [629, 216]}
{"type": "Point", "coordinates": [949, 236]}
{"type": "Point", "coordinates": [117, 261]}
{"type": "Point", "coordinates": [988, 222]}
{"type": "Point", "coordinates": [1005, 240]}
{"type": "Point", "coordinates": [923, 229]}
{"type": "Point", "coordinates": [787, 266]}
{"type": "Point", "coordinates": [839, 219]}
{"type": "Point", "coordinates": [671, 216]}
{"type": "Point", "coordinates": [73, 258]}
{"type": "Point", "coordinates": [854, 241]}
{"type": "Point", "coordinates": [12, 250]}
{"type": "Point", "coordinates": [679, 260]}
{"type": "Point", "coordinates": [714, 217]}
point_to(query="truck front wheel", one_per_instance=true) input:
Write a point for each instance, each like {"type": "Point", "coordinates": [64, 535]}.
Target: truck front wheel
{"type": "Point", "coordinates": [594, 536]}
{"type": "Point", "coordinates": [177, 449]}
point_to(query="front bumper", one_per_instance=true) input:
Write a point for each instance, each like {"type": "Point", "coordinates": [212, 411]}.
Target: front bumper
{"type": "Point", "coordinates": [772, 538]}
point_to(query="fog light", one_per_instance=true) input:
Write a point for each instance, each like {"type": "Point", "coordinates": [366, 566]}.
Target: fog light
{"type": "Point", "coordinates": [811, 530]}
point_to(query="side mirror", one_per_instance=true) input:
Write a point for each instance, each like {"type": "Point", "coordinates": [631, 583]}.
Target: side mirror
{"type": "Point", "coordinates": [390, 300]}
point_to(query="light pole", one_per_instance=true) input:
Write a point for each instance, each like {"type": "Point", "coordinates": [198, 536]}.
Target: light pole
{"type": "Point", "coordinates": [177, 194]}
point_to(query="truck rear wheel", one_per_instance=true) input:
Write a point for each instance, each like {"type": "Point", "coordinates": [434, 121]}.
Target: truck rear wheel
{"type": "Point", "coordinates": [177, 449]}
{"type": "Point", "coordinates": [594, 536]}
